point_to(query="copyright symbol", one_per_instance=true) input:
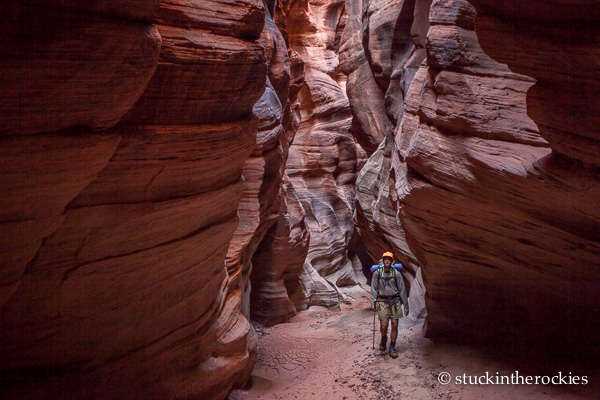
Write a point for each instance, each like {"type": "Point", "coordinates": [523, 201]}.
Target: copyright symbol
{"type": "Point", "coordinates": [444, 378]}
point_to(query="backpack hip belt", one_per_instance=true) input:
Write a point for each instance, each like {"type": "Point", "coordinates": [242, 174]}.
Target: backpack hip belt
{"type": "Point", "coordinates": [391, 300]}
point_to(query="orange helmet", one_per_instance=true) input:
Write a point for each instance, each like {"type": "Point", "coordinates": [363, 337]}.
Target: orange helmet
{"type": "Point", "coordinates": [388, 254]}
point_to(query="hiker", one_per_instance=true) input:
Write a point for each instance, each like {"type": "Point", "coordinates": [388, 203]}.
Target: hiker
{"type": "Point", "coordinates": [387, 290]}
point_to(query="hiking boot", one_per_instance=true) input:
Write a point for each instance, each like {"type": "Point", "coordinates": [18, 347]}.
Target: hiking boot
{"type": "Point", "coordinates": [393, 353]}
{"type": "Point", "coordinates": [382, 344]}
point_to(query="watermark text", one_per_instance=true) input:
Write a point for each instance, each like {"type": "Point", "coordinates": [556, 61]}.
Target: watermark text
{"type": "Point", "coordinates": [514, 378]}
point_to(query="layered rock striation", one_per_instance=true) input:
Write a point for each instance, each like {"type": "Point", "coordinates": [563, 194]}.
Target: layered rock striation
{"type": "Point", "coordinates": [147, 188]}
{"type": "Point", "coordinates": [277, 261]}
{"type": "Point", "coordinates": [383, 46]}
{"type": "Point", "coordinates": [170, 169]}
{"type": "Point", "coordinates": [323, 158]}
{"type": "Point", "coordinates": [556, 44]}
{"type": "Point", "coordinates": [277, 291]}
{"type": "Point", "coordinates": [126, 129]}
{"type": "Point", "coordinates": [488, 177]}
{"type": "Point", "coordinates": [271, 241]}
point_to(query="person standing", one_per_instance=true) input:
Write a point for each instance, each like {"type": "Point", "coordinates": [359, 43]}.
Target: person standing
{"type": "Point", "coordinates": [387, 294]}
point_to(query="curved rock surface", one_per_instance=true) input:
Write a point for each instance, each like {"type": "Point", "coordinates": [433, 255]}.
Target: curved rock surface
{"type": "Point", "coordinates": [383, 46]}
{"type": "Point", "coordinates": [56, 62]}
{"type": "Point", "coordinates": [563, 102]}
{"type": "Point", "coordinates": [169, 169]}
{"type": "Point", "coordinates": [267, 199]}
{"type": "Point", "coordinates": [498, 217]}
{"type": "Point", "coordinates": [323, 157]}
{"type": "Point", "coordinates": [115, 228]}
{"type": "Point", "coordinates": [277, 293]}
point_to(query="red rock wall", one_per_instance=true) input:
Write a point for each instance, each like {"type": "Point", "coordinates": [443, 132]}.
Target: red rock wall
{"type": "Point", "coordinates": [383, 46]}
{"type": "Point", "coordinates": [169, 170]}
{"type": "Point", "coordinates": [462, 107]}
{"type": "Point", "coordinates": [322, 160]}
{"type": "Point", "coordinates": [263, 171]}
{"type": "Point", "coordinates": [557, 44]}
{"type": "Point", "coordinates": [500, 219]}
{"type": "Point", "coordinates": [277, 293]}
{"type": "Point", "coordinates": [125, 132]}
{"type": "Point", "coordinates": [277, 262]}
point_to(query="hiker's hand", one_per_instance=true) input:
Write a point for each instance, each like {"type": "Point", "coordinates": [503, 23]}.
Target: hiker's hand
{"type": "Point", "coordinates": [405, 311]}
{"type": "Point", "coordinates": [374, 306]}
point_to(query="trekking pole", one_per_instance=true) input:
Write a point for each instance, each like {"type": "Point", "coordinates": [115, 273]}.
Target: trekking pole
{"type": "Point", "coordinates": [373, 329]}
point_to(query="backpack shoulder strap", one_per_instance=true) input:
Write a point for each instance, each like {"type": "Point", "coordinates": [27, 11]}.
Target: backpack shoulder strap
{"type": "Point", "coordinates": [377, 276]}
{"type": "Point", "coordinates": [397, 276]}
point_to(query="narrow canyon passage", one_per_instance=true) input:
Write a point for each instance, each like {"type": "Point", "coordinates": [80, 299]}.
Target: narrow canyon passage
{"type": "Point", "coordinates": [192, 193]}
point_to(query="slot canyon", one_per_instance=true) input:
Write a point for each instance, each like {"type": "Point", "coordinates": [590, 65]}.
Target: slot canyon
{"type": "Point", "coordinates": [180, 177]}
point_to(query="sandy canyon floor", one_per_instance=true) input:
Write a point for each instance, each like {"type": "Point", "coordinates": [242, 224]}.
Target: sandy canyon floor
{"type": "Point", "coordinates": [324, 354]}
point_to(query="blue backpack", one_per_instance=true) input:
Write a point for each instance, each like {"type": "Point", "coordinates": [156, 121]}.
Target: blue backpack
{"type": "Point", "coordinates": [398, 267]}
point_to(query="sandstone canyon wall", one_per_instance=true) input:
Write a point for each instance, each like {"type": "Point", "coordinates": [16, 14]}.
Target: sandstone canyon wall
{"type": "Point", "coordinates": [489, 180]}
{"type": "Point", "coordinates": [277, 292]}
{"type": "Point", "coordinates": [168, 170]}
{"type": "Point", "coordinates": [324, 157]}
{"type": "Point", "coordinates": [125, 131]}
{"type": "Point", "coordinates": [383, 46]}
{"type": "Point", "coordinates": [264, 171]}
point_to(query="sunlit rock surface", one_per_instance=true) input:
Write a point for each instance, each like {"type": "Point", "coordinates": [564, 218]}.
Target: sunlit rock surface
{"type": "Point", "coordinates": [266, 198]}
{"type": "Point", "coordinates": [323, 157]}
{"type": "Point", "coordinates": [125, 132]}
{"type": "Point", "coordinates": [383, 46]}
{"type": "Point", "coordinates": [276, 292]}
